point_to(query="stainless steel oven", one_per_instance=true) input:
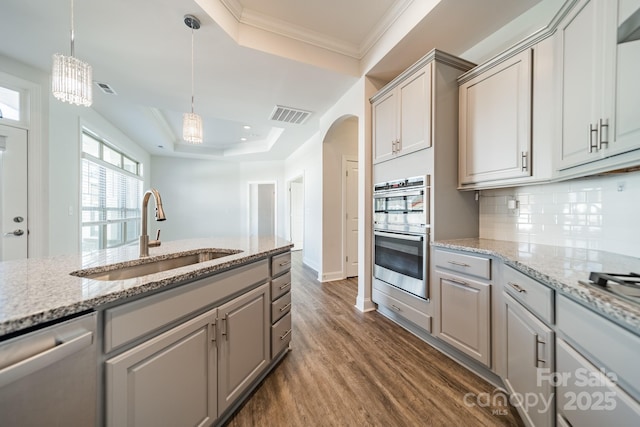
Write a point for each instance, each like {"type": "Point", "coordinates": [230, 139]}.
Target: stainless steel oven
{"type": "Point", "coordinates": [401, 234]}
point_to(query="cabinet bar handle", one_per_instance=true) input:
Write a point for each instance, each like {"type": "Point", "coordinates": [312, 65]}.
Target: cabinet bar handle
{"type": "Point", "coordinates": [396, 308]}
{"type": "Point", "coordinates": [224, 325]}
{"type": "Point", "coordinates": [525, 162]}
{"type": "Point", "coordinates": [282, 264]}
{"type": "Point", "coordinates": [459, 264]}
{"type": "Point", "coordinates": [536, 354]}
{"type": "Point", "coordinates": [518, 288]}
{"type": "Point", "coordinates": [285, 286]}
{"type": "Point", "coordinates": [604, 124]}
{"type": "Point", "coordinates": [285, 308]}
{"type": "Point", "coordinates": [593, 146]}
{"type": "Point", "coordinates": [213, 331]}
{"type": "Point", "coordinates": [459, 282]}
{"type": "Point", "coordinates": [286, 334]}
{"type": "Point", "coordinates": [398, 145]}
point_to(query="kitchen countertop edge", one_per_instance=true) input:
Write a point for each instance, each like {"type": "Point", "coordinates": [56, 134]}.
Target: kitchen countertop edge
{"type": "Point", "coordinates": [31, 319]}
{"type": "Point", "coordinates": [616, 309]}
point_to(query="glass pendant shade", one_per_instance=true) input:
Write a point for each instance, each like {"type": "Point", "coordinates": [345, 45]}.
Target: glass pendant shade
{"type": "Point", "coordinates": [192, 128]}
{"type": "Point", "coordinates": [71, 80]}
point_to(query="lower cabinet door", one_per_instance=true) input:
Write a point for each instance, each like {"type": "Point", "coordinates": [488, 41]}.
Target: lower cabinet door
{"type": "Point", "coordinates": [529, 364]}
{"type": "Point", "coordinates": [169, 380]}
{"type": "Point", "coordinates": [589, 396]}
{"type": "Point", "coordinates": [464, 315]}
{"type": "Point", "coordinates": [244, 343]}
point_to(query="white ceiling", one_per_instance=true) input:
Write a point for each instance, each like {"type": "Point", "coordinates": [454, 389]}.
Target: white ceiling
{"type": "Point", "coordinates": [251, 58]}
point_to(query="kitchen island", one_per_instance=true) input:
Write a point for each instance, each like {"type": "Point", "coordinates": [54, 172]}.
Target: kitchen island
{"type": "Point", "coordinates": [183, 346]}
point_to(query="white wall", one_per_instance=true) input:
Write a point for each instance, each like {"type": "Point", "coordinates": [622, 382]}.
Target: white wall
{"type": "Point", "coordinates": [306, 161]}
{"type": "Point", "coordinates": [204, 198]}
{"type": "Point", "coordinates": [590, 213]}
{"type": "Point", "coordinates": [341, 140]}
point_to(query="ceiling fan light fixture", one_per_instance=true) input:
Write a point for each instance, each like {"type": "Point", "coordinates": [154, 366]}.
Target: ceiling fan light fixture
{"type": "Point", "coordinates": [192, 131]}
{"type": "Point", "coordinates": [72, 78]}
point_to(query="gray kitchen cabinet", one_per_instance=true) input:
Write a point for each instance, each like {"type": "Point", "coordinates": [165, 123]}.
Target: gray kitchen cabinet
{"type": "Point", "coordinates": [529, 348]}
{"type": "Point", "coordinates": [402, 116]}
{"type": "Point", "coordinates": [597, 377]}
{"type": "Point", "coordinates": [462, 292]}
{"type": "Point", "coordinates": [244, 343]}
{"type": "Point", "coordinates": [495, 122]}
{"type": "Point", "coordinates": [588, 395]}
{"type": "Point", "coordinates": [600, 90]}
{"type": "Point", "coordinates": [168, 380]}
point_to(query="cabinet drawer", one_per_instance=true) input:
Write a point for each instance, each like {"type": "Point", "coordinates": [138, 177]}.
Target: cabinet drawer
{"type": "Point", "coordinates": [280, 335]}
{"type": "Point", "coordinates": [587, 397]}
{"type": "Point", "coordinates": [463, 263]}
{"type": "Point", "coordinates": [418, 317]}
{"type": "Point", "coordinates": [530, 292]}
{"type": "Point", "coordinates": [280, 263]}
{"type": "Point", "coordinates": [608, 345]}
{"type": "Point", "coordinates": [280, 307]}
{"type": "Point", "coordinates": [280, 286]}
{"type": "Point", "coordinates": [133, 320]}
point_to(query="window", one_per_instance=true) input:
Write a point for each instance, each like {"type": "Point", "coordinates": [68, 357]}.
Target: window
{"type": "Point", "coordinates": [111, 195]}
{"type": "Point", "coordinates": [9, 104]}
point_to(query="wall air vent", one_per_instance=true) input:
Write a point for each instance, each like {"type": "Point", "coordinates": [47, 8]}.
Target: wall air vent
{"type": "Point", "coordinates": [289, 115]}
{"type": "Point", "coordinates": [106, 88]}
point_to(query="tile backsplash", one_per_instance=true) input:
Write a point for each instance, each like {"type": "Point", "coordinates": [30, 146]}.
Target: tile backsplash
{"type": "Point", "coordinates": [600, 213]}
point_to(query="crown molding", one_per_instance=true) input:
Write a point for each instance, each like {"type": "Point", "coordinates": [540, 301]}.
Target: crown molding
{"type": "Point", "coordinates": [286, 29]}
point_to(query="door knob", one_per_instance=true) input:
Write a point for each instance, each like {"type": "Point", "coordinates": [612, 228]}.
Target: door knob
{"type": "Point", "coordinates": [17, 232]}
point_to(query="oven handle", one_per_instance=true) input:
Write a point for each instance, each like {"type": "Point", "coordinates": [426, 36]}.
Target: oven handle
{"type": "Point", "coordinates": [394, 193]}
{"type": "Point", "coordinates": [412, 237]}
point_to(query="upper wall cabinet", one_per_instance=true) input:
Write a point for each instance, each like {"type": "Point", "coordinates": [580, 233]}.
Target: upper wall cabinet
{"type": "Point", "coordinates": [495, 122]}
{"type": "Point", "coordinates": [599, 64]}
{"type": "Point", "coordinates": [404, 110]}
{"type": "Point", "coordinates": [508, 113]}
{"type": "Point", "coordinates": [402, 117]}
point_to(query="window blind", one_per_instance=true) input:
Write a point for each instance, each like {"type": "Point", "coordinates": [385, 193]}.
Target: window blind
{"type": "Point", "coordinates": [111, 197]}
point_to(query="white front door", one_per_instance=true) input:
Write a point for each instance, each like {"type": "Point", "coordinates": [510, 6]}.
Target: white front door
{"type": "Point", "coordinates": [13, 193]}
{"type": "Point", "coordinates": [351, 219]}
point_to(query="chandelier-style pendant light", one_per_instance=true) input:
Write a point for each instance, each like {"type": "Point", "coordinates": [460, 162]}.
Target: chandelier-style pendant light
{"type": "Point", "coordinates": [71, 78]}
{"type": "Point", "coordinates": [192, 122]}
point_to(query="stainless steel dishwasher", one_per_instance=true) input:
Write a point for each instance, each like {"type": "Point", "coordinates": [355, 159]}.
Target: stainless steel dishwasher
{"type": "Point", "coordinates": [48, 377]}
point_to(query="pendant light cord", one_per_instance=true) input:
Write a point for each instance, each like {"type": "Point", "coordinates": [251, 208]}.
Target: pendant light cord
{"type": "Point", "coordinates": [192, 89]}
{"type": "Point", "coordinates": [72, 32]}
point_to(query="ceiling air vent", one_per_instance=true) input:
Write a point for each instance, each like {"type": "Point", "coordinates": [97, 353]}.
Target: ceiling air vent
{"type": "Point", "coordinates": [106, 88]}
{"type": "Point", "coordinates": [289, 115]}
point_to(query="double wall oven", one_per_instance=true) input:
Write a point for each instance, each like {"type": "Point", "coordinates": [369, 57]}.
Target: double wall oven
{"type": "Point", "coordinates": [401, 234]}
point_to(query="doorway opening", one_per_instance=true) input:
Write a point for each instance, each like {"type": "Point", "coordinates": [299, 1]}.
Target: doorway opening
{"type": "Point", "coordinates": [296, 212]}
{"type": "Point", "coordinates": [262, 209]}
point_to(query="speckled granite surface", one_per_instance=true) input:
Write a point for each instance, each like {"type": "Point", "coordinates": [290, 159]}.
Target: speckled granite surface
{"type": "Point", "coordinates": [38, 290]}
{"type": "Point", "coordinates": [562, 268]}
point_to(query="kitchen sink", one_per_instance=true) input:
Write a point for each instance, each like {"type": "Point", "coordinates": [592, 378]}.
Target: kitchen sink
{"type": "Point", "coordinates": [151, 266]}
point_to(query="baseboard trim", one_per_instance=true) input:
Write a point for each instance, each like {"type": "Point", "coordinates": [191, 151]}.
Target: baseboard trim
{"type": "Point", "coordinates": [331, 276]}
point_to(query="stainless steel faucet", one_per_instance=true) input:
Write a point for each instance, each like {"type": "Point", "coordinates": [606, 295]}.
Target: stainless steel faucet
{"type": "Point", "coordinates": [144, 237]}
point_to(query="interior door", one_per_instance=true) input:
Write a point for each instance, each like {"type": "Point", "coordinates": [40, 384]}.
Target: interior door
{"type": "Point", "coordinates": [351, 219]}
{"type": "Point", "coordinates": [13, 193]}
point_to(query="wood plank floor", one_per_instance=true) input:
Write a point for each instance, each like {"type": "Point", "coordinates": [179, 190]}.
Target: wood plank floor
{"type": "Point", "coordinates": [349, 368]}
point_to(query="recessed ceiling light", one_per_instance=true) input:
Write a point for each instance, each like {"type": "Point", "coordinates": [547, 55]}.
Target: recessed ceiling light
{"type": "Point", "coordinates": [243, 139]}
{"type": "Point", "coordinates": [247, 127]}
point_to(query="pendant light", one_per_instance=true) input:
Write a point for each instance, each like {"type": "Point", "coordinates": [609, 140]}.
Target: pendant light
{"type": "Point", "coordinates": [71, 78]}
{"type": "Point", "coordinates": [192, 122]}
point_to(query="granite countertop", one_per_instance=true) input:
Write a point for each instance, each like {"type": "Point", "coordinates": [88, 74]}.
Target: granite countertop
{"type": "Point", "coordinates": [38, 290]}
{"type": "Point", "coordinates": [562, 268]}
